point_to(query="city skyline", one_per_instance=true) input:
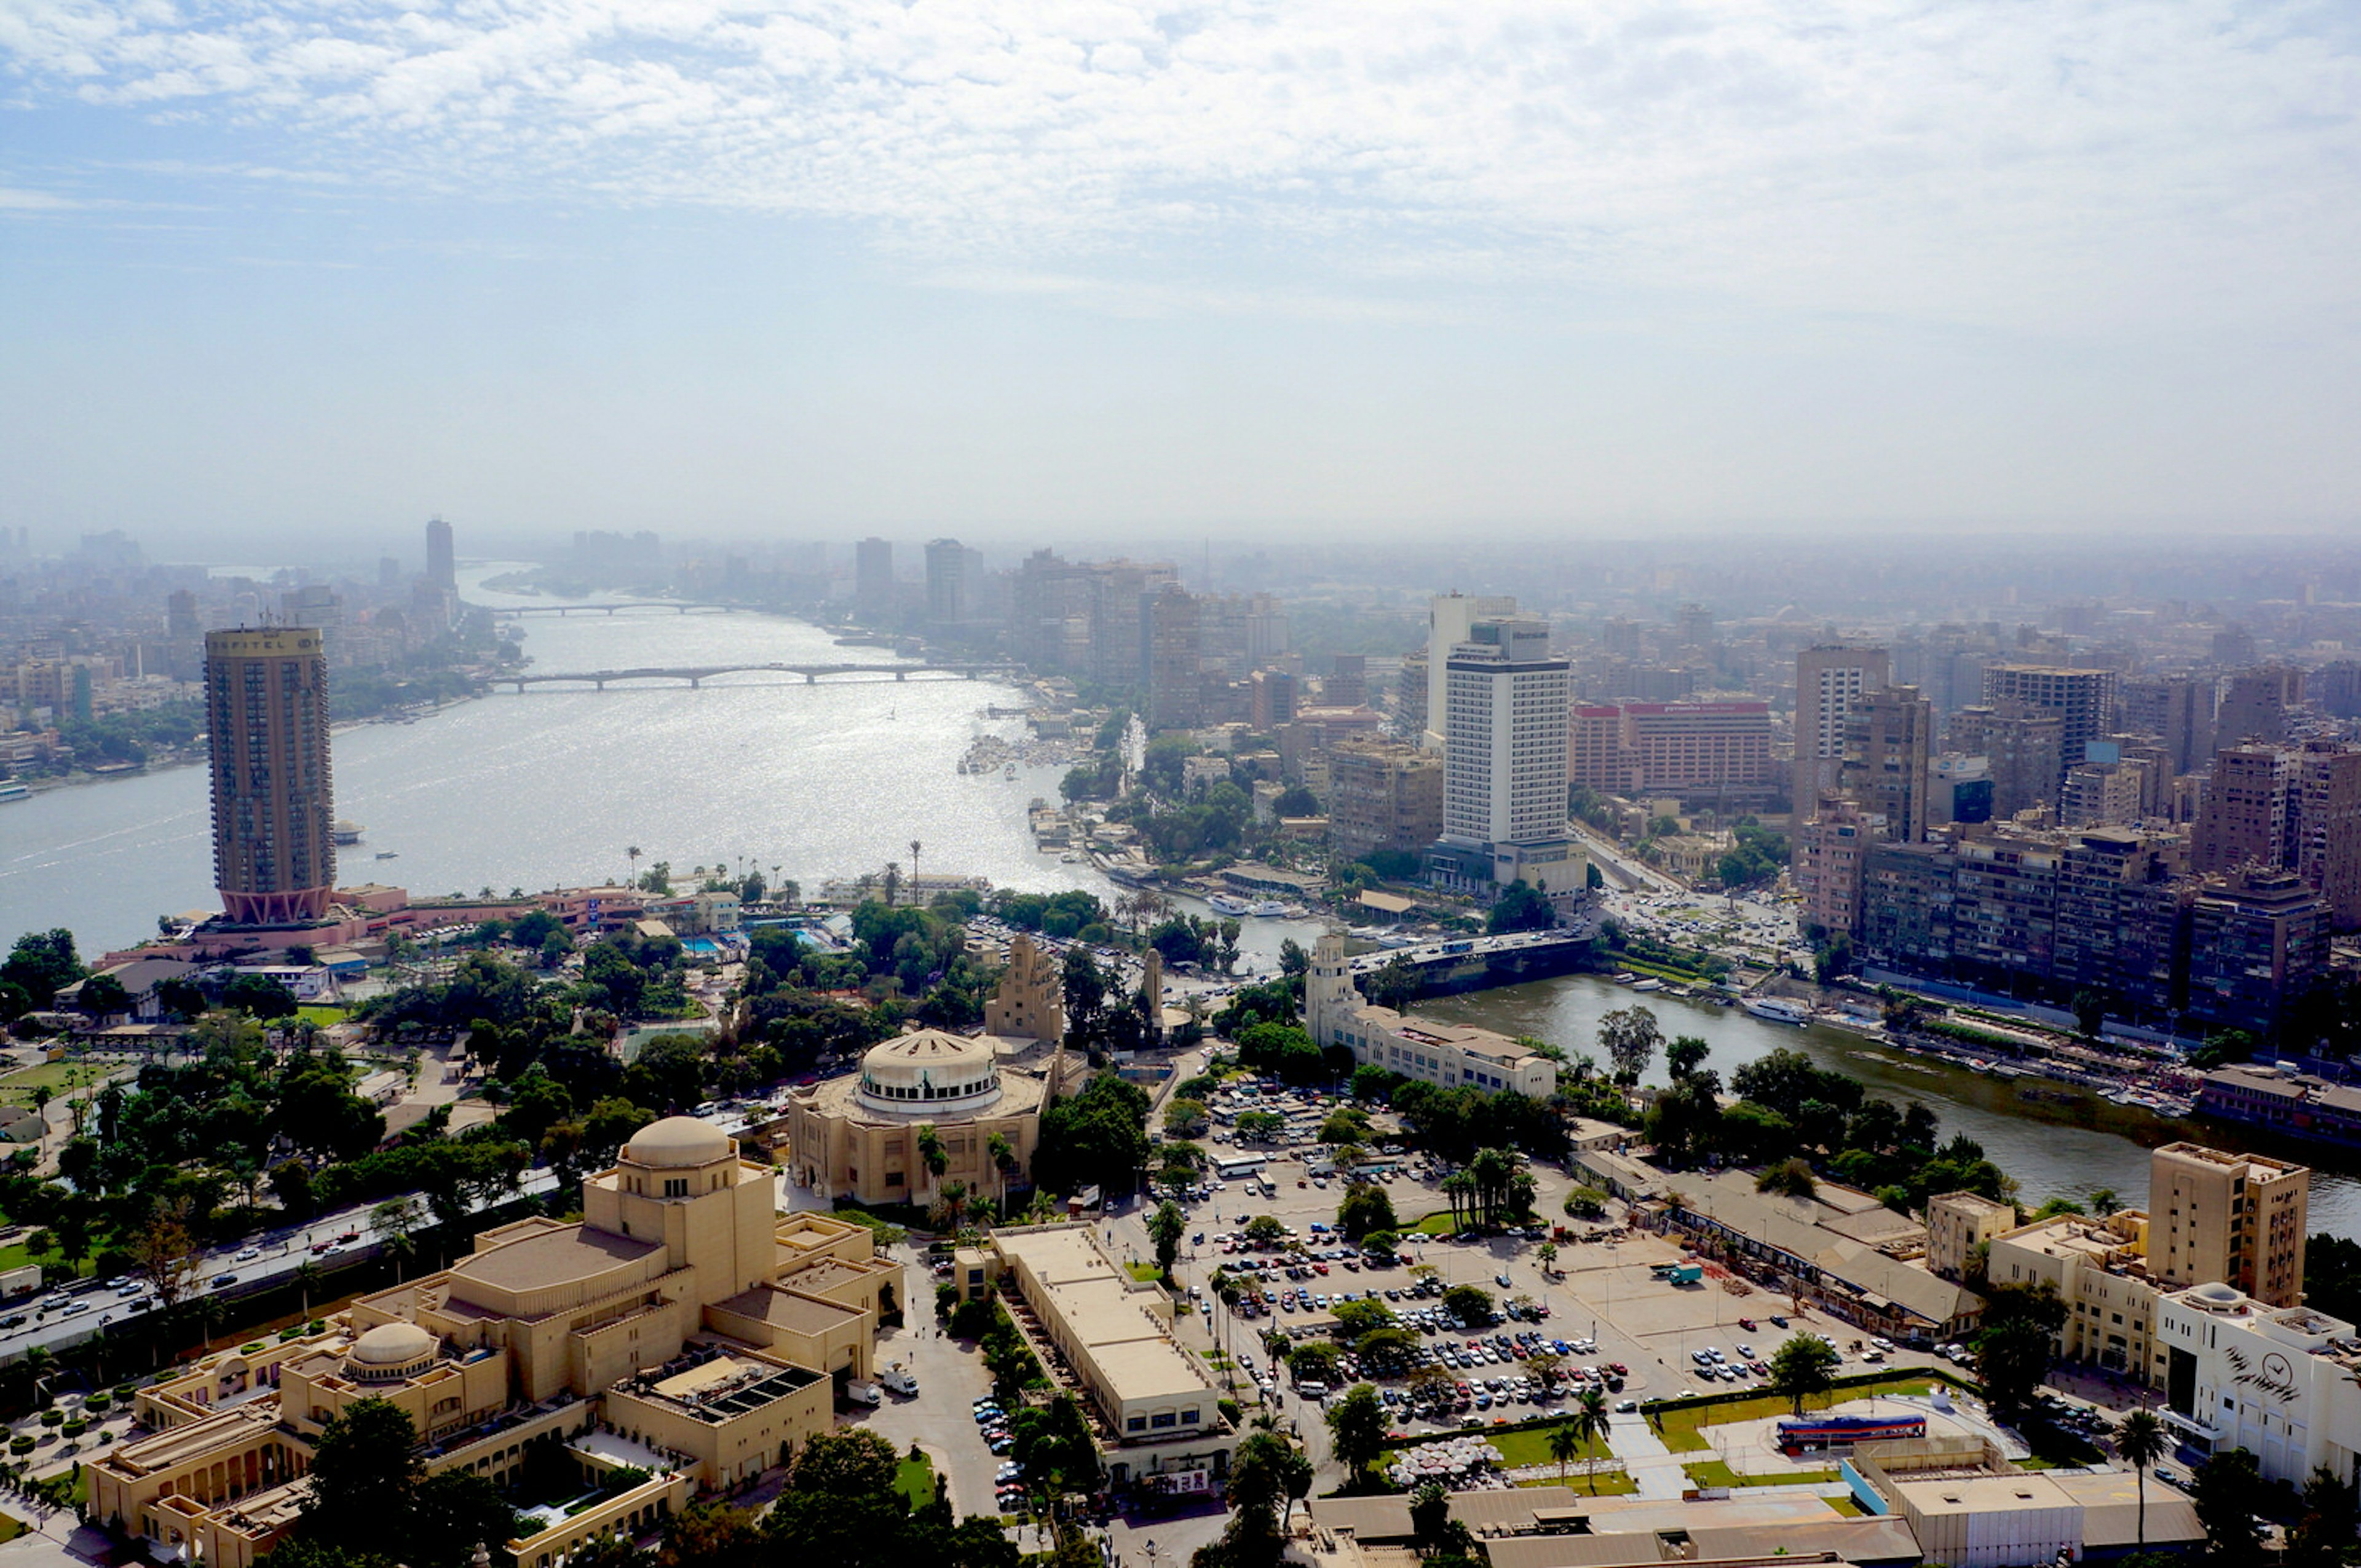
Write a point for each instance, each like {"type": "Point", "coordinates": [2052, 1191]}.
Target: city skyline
{"type": "Point", "coordinates": [285, 272]}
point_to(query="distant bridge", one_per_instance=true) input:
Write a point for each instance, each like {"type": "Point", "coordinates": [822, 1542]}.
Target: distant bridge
{"type": "Point", "coordinates": [698, 674]}
{"type": "Point", "coordinates": [562, 609]}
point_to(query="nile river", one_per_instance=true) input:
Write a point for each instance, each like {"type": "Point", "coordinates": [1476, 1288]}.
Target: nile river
{"type": "Point", "coordinates": [552, 788]}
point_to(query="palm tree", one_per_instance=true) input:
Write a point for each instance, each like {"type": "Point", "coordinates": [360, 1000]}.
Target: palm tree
{"type": "Point", "coordinates": [893, 881]}
{"type": "Point", "coordinates": [633, 854]}
{"type": "Point", "coordinates": [1564, 1442]}
{"type": "Point", "coordinates": [916, 897]}
{"type": "Point", "coordinates": [1458, 1187]}
{"type": "Point", "coordinates": [931, 1153]}
{"type": "Point", "coordinates": [1003, 1161]}
{"type": "Point", "coordinates": [2141, 1441]}
{"type": "Point", "coordinates": [307, 1279]}
{"type": "Point", "coordinates": [1591, 1418]}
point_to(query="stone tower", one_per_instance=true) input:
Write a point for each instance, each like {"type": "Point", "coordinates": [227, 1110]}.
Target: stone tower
{"type": "Point", "coordinates": [1030, 1003]}
{"type": "Point", "coordinates": [1328, 993]}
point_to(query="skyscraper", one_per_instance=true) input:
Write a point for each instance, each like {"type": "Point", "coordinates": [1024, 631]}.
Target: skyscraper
{"type": "Point", "coordinates": [2179, 711]}
{"type": "Point", "coordinates": [1829, 680]}
{"type": "Point", "coordinates": [1888, 738]}
{"type": "Point", "coordinates": [872, 576]}
{"type": "Point", "coordinates": [2254, 704]}
{"type": "Point", "coordinates": [948, 588]}
{"type": "Point", "coordinates": [1504, 761]}
{"type": "Point", "coordinates": [1169, 656]}
{"type": "Point", "coordinates": [267, 706]}
{"type": "Point", "coordinates": [2228, 1219]}
{"type": "Point", "coordinates": [1448, 618]}
{"type": "Point", "coordinates": [442, 564]}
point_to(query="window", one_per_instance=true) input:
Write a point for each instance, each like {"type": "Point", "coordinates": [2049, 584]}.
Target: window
{"type": "Point", "coordinates": [1189, 1418]}
{"type": "Point", "coordinates": [1137, 1423]}
{"type": "Point", "coordinates": [675, 1187]}
{"type": "Point", "coordinates": [1161, 1419]}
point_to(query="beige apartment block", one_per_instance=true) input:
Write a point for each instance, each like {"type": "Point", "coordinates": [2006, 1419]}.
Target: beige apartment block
{"type": "Point", "coordinates": [2099, 1267]}
{"type": "Point", "coordinates": [1959, 1222]}
{"type": "Point", "coordinates": [682, 1327]}
{"type": "Point", "coordinates": [2231, 1219]}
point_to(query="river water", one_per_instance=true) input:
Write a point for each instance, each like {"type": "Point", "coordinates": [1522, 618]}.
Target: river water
{"type": "Point", "coordinates": [551, 788]}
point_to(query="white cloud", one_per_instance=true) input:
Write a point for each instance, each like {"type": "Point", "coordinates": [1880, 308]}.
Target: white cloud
{"type": "Point", "coordinates": [2016, 164]}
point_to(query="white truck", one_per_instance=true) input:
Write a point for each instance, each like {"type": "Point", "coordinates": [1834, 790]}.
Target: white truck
{"type": "Point", "coordinates": [899, 1379]}
{"type": "Point", "coordinates": [864, 1394]}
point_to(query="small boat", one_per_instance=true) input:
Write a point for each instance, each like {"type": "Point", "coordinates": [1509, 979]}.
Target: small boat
{"type": "Point", "coordinates": [15, 789]}
{"type": "Point", "coordinates": [345, 831]}
{"type": "Point", "coordinates": [387, 854]}
{"type": "Point", "coordinates": [1225, 904]}
{"type": "Point", "coordinates": [1268, 909]}
{"type": "Point", "coordinates": [1067, 859]}
{"type": "Point", "coordinates": [1650, 983]}
{"type": "Point", "coordinates": [1009, 773]}
{"type": "Point", "coordinates": [1778, 1009]}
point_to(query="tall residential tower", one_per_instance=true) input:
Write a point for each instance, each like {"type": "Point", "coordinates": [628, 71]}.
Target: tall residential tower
{"type": "Point", "coordinates": [267, 708]}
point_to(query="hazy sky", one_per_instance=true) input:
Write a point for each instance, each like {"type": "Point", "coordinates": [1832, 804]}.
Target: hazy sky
{"type": "Point", "coordinates": [543, 264]}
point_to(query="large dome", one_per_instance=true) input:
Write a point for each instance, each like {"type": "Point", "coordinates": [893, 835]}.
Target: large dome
{"type": "Point", "coordinates": [391, 1345]}
{"type": "Point", "coordinates": [927, 1071]}
{"type": "Point", "coordinates": [675, 1142]}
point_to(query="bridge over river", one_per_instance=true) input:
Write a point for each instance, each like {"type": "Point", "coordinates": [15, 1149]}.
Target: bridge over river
{"type": "Point", "coordinates": [698, 674]}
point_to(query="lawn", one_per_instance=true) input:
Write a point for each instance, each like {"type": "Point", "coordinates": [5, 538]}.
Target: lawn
{"type": "Point", "coordinates": [1613, 1484]}
{"type": "Point", "coordinates": [1714, 1473]}
{"type": "Point", "coordinates": [1147, 1273]}
{"type": "Point", "coordinates": [1439, 1224]}
{"type": "Point", "coordinates": [1847, 1506]}
{"type": "Point", "coordinates": [11, 1527]}
{"type": "Point", "coordinates": [1682, 1429]}
{"type": "Point", "coordinates": [323, 1014]}
{"type": "Point", "coordinates": [915, 1479]}
{"type": "Point", "coordinates": [1530, 1445]}
{"type": "Point", "coordinates": [53, 1076]}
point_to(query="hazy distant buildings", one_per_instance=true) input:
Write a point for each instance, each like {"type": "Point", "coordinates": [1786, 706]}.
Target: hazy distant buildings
{"type": "Point", "coordinates": [441, 563]}
{"type": "Point", "coordinates": [1169, 653]}
{"type": "Point", "coordinates": [872, 577]}
{"type": "Point", "coordinates": [2179, 711]}
{"type": "Point", "coordinates": [2294, 808]}
{"type": "Point", "coordinates": [267, 708]}
{"type": "Point", "coordinates": [1829, 679]}
{"type": "Point", "coordinates": [2254, 704]}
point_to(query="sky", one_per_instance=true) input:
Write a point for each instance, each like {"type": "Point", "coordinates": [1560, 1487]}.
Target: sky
{"type": "Point", "coordinates": [277, 270]}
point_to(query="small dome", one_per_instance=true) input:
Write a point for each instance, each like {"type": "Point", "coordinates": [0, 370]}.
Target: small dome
{"type": "Point", "coordinates": [391, 1345]}
{"type": "Point", "coordinates": [2216, 1294]}
{"type": "Point", "coordinates": [929, 1049]}
{"type": "Point", "coordinates": [675, 1142]}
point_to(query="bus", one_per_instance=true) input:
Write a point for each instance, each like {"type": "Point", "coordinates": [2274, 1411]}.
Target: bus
{"type": "Point", "coordinates": [1239, 1167]}
{"type": "Point", "coordinates": [1797, 1436]}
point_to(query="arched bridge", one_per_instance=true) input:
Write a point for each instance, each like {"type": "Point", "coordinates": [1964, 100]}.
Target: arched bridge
{"type": "Point", "coordinates": [698, 674]}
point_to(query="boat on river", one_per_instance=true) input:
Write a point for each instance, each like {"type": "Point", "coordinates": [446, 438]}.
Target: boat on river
{"type": "Point", "coordinates": [1778, 1009]}
{"type": "Point", "coordinates": [1224, 904]}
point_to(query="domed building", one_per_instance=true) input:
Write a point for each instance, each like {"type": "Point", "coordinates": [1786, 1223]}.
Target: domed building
{"type": "Point", "coordinates": [683, 1327]}
{"type": "Point", "coordinates": [859, 1136]}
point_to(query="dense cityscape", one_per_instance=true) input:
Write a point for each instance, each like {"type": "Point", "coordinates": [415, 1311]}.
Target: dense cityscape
{"type": "Point", "coordinates": [1178, 1196]}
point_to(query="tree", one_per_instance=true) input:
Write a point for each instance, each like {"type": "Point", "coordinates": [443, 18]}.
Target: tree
{"type": "Point", "coordinates": [1432, 1526]}
{"type": "Point", "coordinates": [2326, 1528]}
{"type": "Point", "coordinates": [931, 1153]}
{"type": "Point", "coordinates": [1165, 1228]}
{"type": "Point", "coordinates": [2140, 1441]}
{"type": "Point", "coordinates": [1591, 1423]}
{"type": "Point", "coordinates": [1564, 1442]}
{"type": "Point", "coordinates": [1686, 1055]}
{"type": "Point", "coordinates": [398, 1220]}
{"type": "Point", "coordinates": [2105, 1201]}
{"type": "Point", "coordinates": [1803, 1366]}
{"type": "Point", "coordinates": [102, 995]}
{"type": "Point", "coordinates": [2015, 1343]}
{"type": "Point", "coordinates": [2225, 1491]}
{"type": "Point", "coordinates": [1366, 1209]}
{"type": "Point", "coordinates": [43, 963]}
{"type": "Point", "coordinates": [1629, 1037]}
{"type": "Point", "coordinates": [1471, 1304]}
{"type": "Point", "coordinates": [712, 1535]}
{"type": "Point", "coordinates": [2090, 1012]}
{"type": "Point", "coordinates": [164, 1251]}
{"type": "Point", "coordinates": [1521, 908]}
{"type": "Point", "coordinates": [449, 1514]}
{"type": "Point", "coordinates": [1791, 1177]}
{"type": "Point", "coordinates": [1356, 1430]}
{"type": "Point", "coordinates": [365, 1473]}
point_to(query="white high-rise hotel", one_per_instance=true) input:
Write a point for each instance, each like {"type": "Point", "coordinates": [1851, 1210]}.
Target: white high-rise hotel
{"type": "Point", "coordinates": [1504, 762]}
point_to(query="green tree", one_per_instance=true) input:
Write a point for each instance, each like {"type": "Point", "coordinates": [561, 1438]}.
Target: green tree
{"type": "Point", "coordinates": [1791, 1177]}
{"type": "Point", "coordinates": [1591, 1422]}
{"type": "Point", "coordinates": [102, 995]}
{"type": "Point", "coordinates": [2225, 1491]}
{"type": "Point", "coordinates": [1356, 1430]}
{"type": "Point", "coordinates": [2140, 1441]}
{"type": "Point", "coordinates": [1521, 908]}
{"type": "Point", "coordinates": [1686, 1055]}
{"type": "Point", "coordinates": [1471, 1304]}
{"type": "Point", "coordinates": [449, 1514]}
{"type": "Point", "coordinates": [1564, 1442]}
{"type": "Point", "coordinates": [2016, 1342]}
{"type": "Point", "coordinates": [1165, 1228]}
{"type": "Point", "coordinates": [1629, 1037]}
{"type": "Point", "coordinates": [365, 1474]}
{"type": "Point", "coordinates": [1802, 1368]}
{"type": "Point", "coordinates": [2090, 1012]}
{"type": "Point", "coordinates": [42, 963]}
{"type": "Point", "coordinates": [1365, 1208]}
{"type": "Point", "coordinates": [2326, 1528]}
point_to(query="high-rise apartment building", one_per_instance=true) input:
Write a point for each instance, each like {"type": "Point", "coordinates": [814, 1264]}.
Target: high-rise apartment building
{"type": "Point", "coordinates": [2257, 942]}
{"type": "Point", "coordinates": [2177, 710]}
{"type": "Point", "coordinates": [2228, 1219]}
{"type": "Point", "coordinates": [1383, 798]}
{"type": "Point", "coordinates": [441, 563]}
{"type": "Point", "coordinates": [953, 583]}
{"type": "Point", "coordinates": [1831, 856]}
{"type": "Point", "coordinates": [1719, 752]}
{"type": "Point", "coordinates": [2254, 704]}
{"type": "Point", "coordinates": [2324, 838]}
{"type": "Point", "coordinates": [1169, 653]}
{"type": "Point", "coordinates": [267, 708]}
{"type": "Point", "coordinates": [1829, 680]}
{"type": "Point", "coordinates": [2247, 804]}
{"type": "Point", "coordinates": [1271, 696]}
{"type": "Point", "coordinates": [1449, 618]}
{"type": "Point", "coordinates": [2337, 688]}
{"type": "Point", "coordinates": [2083, 700]}
{"type": "Point", "coordinates": [1504, 766]}
{"type": "Point", "coordinates": [872, 577]}
{"type": "Point", "coordinates": [2023, 747]}
{"type": "Point", "coordinates": [1888, 737]}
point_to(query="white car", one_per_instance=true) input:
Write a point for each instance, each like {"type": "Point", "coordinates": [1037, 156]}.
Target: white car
{"type": "Point", "coordinates": [249, 1254]}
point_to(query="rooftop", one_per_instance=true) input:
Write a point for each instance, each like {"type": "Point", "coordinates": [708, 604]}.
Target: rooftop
{"type": "Point", "coordinates": [561, 1257]}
